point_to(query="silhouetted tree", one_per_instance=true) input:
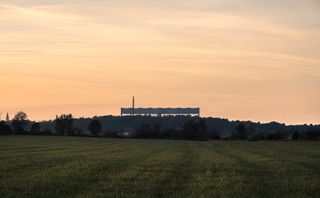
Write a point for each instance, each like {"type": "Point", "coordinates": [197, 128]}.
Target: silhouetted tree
{"type": "Point", "coordinates": [35, 128]}
{"type": "Point", "coordinates": [95, 127]}
{"type": "Point", "coordinates": [202, 130]}
{"type": "Point", "coordinates": [110, 134]}
{"type": "Point", "coordinates": [295, 135]}
{"type": "Point", "coordinates": [46, 131]}
{"type": "Point", "coordinates": [157, 131]}
{"type": "Point", "coordinates": [268, 136]}
{"type": "Point", "coordinates": [311, 135]}
{"type": "Point", "coordinates": [196, 130]}
{"type": "Point", "coordinates": [255, 134]}
{"type": "Point", "coordinates": [277, 135]}
{"type": "Point", "coordinates": [256, 137]}
{"type": "Point", "coordinates": [214, 134]}
{"type": "Point", "coordinates": [64, 124]}
{"type": "Point", "coordinates": [171, 133]}
{"type": "Point", "coordinates": [145, 131]}
{"type": "Point", "coordinates": [19, 122]}
{"type": "Point", "coordinates": [188, 130]}
{"type": "Point", "coordinates": [240, 132]}
{"type": "Point", "coordinates": [4, 128]}
{"type": "Point", "coordinates": [78, 131]}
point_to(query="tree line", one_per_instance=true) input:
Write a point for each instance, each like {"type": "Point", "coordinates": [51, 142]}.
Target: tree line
{"type": "Point", "coordinates": [191, 130]}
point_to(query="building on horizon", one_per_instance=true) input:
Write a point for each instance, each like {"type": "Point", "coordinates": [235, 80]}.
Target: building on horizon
{"type": "Point", "coordinates": [133, 111]}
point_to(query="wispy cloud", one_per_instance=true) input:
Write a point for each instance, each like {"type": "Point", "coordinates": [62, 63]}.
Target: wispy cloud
{"type": "Point", "coordinates": [232, 50]}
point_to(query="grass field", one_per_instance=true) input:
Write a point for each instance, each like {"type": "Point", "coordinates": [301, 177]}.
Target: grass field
{"type": "Point", "coordinates": [32, 166]}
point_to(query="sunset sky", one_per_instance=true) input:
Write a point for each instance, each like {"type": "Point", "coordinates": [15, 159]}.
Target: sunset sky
{"type": "Point", "coordinates": [238, 59]}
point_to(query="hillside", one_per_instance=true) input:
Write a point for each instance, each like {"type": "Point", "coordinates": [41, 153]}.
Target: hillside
{"type": "Point", "coordinates": [223, 126]}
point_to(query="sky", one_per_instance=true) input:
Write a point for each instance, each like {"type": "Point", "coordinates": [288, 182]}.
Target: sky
{"type": "Point", "coordinates": [237, 59]}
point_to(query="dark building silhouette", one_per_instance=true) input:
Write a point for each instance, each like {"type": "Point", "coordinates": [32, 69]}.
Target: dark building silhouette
{"type": "Point", "coordinates": [133, 111]}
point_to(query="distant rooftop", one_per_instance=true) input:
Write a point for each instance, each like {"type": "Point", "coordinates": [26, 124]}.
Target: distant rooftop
{"type": "Point", "coordinates": [160, 111]}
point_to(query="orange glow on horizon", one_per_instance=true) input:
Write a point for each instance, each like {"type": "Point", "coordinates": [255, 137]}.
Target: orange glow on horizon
{"type": "Point", "coordinates": [89, 58]}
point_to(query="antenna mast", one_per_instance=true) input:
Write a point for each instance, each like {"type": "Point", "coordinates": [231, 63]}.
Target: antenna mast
{"type": "Point", "coordinates": [133, 101]}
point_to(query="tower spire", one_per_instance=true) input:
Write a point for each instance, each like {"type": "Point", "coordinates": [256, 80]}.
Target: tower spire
{"type": "Point", "coordinates": [133, 103]}
{"type": "Point", "coordinates": [7, 119]}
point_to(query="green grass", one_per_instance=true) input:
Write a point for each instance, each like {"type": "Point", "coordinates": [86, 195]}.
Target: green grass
{"type": "Point", "coordinates": [32, 166]}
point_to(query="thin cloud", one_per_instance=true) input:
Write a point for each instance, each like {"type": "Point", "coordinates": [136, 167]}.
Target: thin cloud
{"type": "Point", "coordinates": [235, 52]}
